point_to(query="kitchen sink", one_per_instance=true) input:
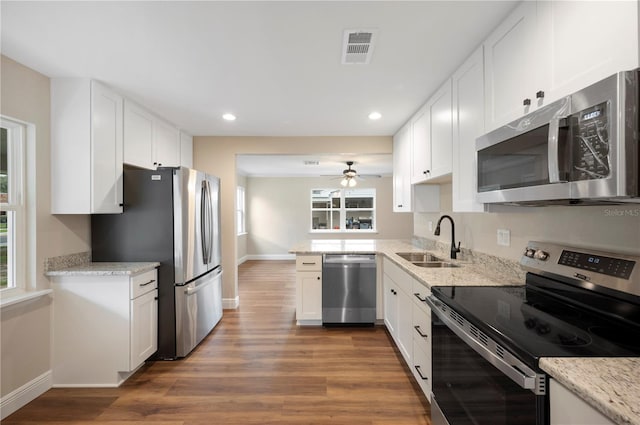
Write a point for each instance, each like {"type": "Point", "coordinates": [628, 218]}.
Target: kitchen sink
{"type": "Point", "coordinates": [433, 264]}
{"type": "Point", "coordinates": [419, 257]}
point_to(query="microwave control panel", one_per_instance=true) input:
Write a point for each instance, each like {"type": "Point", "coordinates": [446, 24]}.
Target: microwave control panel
{"type": "Point", "coordinates": [590, 141]}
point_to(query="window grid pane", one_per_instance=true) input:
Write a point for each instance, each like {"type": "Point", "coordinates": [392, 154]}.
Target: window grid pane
{"type": "Point", "coordinates": [357, 213]}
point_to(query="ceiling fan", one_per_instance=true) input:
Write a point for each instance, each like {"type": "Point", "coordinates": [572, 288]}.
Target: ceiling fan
{"type": "Point", "coordinates": [350, 176]}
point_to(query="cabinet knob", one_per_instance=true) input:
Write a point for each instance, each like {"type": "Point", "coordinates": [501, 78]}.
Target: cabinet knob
{"type": "Point", "coordinates": [318, 277]}
{"type": "Point", "coordinates": [425, 172]}
{"type": "Point", "coordinates": [400, 206]}
{"type": "Point", "coordinates": [121, 205]}
{"type": "Point", "coordinates": [526, 102]}
{"type": "Point", "coordinates": [540, 94]}
{"type": "Point", "coordinates": [155, 163]}
{"type": "Point", "coordinates": [159, 164]}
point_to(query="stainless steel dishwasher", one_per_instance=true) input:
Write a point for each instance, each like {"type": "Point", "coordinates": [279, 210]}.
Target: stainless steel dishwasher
{"type": "Point", "coordinates": [349, 289]}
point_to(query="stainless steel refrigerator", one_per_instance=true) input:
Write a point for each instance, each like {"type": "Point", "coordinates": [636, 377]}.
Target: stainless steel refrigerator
{"type": "Point", "coordinates": [171, 215]}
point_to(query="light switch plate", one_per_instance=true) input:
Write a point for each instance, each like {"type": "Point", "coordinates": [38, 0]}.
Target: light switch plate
{"type": "Point", "coordinates": [430, 225]}
{"type": "Point", "coordinates": [504, 237]}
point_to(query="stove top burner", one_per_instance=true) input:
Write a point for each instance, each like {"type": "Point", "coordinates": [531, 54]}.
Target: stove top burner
{"type": "Point", "coordinates": [532, 322]}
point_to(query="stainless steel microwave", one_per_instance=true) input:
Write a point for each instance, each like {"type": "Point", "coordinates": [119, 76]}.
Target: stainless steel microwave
{"type": "Point", "coordinates": [581, 149]}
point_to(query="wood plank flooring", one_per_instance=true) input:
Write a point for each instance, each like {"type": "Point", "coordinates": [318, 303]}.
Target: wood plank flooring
{"type": "Point", "coordinates": [256, 367]}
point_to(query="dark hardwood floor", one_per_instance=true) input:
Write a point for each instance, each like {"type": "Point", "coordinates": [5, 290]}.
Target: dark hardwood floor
{"type": "Point", "coordinates": [256, 367]}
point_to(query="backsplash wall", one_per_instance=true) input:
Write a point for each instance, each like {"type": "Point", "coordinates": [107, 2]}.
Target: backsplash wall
{"type": "Point", "coordinates": [609, 228]}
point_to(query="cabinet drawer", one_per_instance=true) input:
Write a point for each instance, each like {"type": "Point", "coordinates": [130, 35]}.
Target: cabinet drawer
{"type": "Point", "coordinates": [422, 368]}
{"type": "Point", "coordinates": [143, 283]}
{"type": "Point", "coordinates": [309, 263]}
{"type": "Point", "coordinates": [421, 328]}
{"type": "Point", "coordinates": [420, 293]}
{"type": "Point", "coordinates": [399, 276]}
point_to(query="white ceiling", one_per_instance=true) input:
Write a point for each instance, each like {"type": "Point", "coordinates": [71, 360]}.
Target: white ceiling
{"type": "Point", "coordinates": [276, 65]}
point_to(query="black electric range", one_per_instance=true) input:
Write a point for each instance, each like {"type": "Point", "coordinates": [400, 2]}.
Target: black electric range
{"type": "Point", "coordinates": [487, 340]}
{"type": "Point", "coordinates": [556, 313]}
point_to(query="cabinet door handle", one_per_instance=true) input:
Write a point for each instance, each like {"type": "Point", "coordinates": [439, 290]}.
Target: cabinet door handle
{"type": "Point", "coordinates": [526, 102]}
{"type": "Point", "coordinates": [417, 328]}
{"type": "Point", "coordinates": [400, 206]}
{"type": "Point", "coordinates": [148, 283]}
{"type": "Point", "coordinates": [308, 264]}
{"type": "Point", "coordinates": [540, 94]}
{"type": "Point", "coordinates": [417, 295]}
{"type": "Point", "coordinates": [420, 373]}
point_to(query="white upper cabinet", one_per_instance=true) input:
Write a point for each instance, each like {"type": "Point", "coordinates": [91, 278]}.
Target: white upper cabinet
{"type": "Point", "coordinates": [86, 147]}
{"type": "Point", "coordinates": [149, 141]}
{"type": "Point", "coordinates": [166, 145]}
{"type": "Point", "coordinates": [420, 146]}
{"type": "Point", "coordinates": [431, 137]}
{"type": "Point", "coordinates": [186, 150]}
{"type": "Point", "coordinates": [138, 135]}
{"type": "Point", "coordinates": [546, 50]}
{"type": "Point", "coordinates": [441, 131]}
{"type": "Point", "coordinates": [513, 66]}
{"type": "Point", "coordinates": [468, 124]}
{"type": "Point", "coordinates": [408, 197]}
{"type": "Point", "coordinates": [589, 40]}
{"type": "Point", "coordinates": [401, 170]}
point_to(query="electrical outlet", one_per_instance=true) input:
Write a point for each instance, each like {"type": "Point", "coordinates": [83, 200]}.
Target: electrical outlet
{"type": "Point", "coordinates": [430, 225]}
{"type": "Point", "coordinates": [504, 237]}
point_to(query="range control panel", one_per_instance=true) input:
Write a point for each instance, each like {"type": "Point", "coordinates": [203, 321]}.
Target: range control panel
{"type": "Point", "coordinates": [618, 271]}
{"type": "Point", "coordinates": [610, 266]}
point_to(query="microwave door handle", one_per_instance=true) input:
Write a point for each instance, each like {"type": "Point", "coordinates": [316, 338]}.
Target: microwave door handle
{"type": "Point", "coordinates": [553, 146]}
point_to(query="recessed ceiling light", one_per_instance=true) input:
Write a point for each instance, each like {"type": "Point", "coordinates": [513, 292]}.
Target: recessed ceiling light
{"type": "Point", "coordinates": [375, 116]}
{"type": "Point", "coordinates": [229, 117]}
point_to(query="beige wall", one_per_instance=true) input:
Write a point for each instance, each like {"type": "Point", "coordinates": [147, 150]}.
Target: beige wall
{"type": "Point", "coordinates": [26, 335]}
{"type": "Point", "coordinates": [279, 214]}
{"type": "Point", "coordinates": [217, 155]}
{"type": "Point", "coordinates": [613, 228]}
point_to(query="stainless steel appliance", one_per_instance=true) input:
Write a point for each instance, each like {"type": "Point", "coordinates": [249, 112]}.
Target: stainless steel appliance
{"type": "Point", "coordinates": [580, 149]}
{"type": "Point", "coordinates": [487, 341]}
{"type": "Point", "coordinates": [171, 215]}
{"type": "Point", "coordinates": [349, 289]}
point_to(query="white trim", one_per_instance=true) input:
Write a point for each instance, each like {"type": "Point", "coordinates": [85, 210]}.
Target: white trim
{"type": "Point", "coordinates": [271, 257]}
{"type": "Point", "coordinates": [230, 303]}
{"type": "Point", "coordinates": [23, 296]}
{"type": "Point", "coordinates": [242, 259]}
{"type": "Point", "coordinates": [25, 394]}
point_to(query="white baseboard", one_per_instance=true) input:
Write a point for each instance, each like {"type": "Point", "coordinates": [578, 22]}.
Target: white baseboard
{"type": "Point", "coordinates": [271, 257]}
{"type": "Point", "coordinates": [25, 394]}
{"type": "Point", "coordinates": [242, 259]}
{"type": "Point", "coordinates": [230, 303]}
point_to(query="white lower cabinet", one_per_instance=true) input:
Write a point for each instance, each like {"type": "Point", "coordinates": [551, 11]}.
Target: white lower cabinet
{"type": "Point", "coordinates": [569, 409]}
{"type": "Point", "coordinates": [104, 327]}
{"type": "Point", "coordinates": [397, 307]}
{"type": "Point", "coordinates": [309, 289]}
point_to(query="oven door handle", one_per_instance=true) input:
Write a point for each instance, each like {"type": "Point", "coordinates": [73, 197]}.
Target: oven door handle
{"type": "Point", "coordinates": [508, 364]}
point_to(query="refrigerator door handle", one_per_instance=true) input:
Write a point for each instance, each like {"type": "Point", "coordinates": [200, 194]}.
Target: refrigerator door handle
{"type": "Point", "coordinates": [203, 221]}
{"type": "Point", "coordinates": [210, 223]}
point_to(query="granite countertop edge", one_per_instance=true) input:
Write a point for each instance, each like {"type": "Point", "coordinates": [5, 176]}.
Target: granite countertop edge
{"type": "Point", "coordinates": [105, 269]}
{"type": "Point", "coordinates": [609, 385]}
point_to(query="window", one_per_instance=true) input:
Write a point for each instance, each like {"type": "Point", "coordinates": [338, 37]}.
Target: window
{"type": "Point", "coordinates": [240, 211]}
{"type": "Point", "coordinates": [338, 210]}
{"type": "Point", "coordinates": [12, 213]}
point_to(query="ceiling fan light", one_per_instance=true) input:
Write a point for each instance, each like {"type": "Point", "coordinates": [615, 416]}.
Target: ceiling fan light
{"type": "Point", "coordinates": [344, 182]}
{"type": "Point", "coordinates": [351, 182]}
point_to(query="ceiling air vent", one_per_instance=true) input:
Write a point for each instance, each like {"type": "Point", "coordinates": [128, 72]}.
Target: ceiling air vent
{"type": "Point", "coordinates": [357, 46]}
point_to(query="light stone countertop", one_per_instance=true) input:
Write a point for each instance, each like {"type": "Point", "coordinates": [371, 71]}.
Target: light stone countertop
{"type": "Point", "coordinates": [104, 269]}
{"type": "Point", "coordinates": [470, 273]}
{"type": "Point", "coordinates": [610, 385]}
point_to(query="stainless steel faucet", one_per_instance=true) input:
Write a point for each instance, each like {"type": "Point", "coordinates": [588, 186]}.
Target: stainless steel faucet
{"type": "Point", "coordinates": [454, 249]}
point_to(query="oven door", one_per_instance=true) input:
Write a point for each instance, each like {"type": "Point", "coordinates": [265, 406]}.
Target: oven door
{"type": "Point", "coordinates": [468, 389]}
